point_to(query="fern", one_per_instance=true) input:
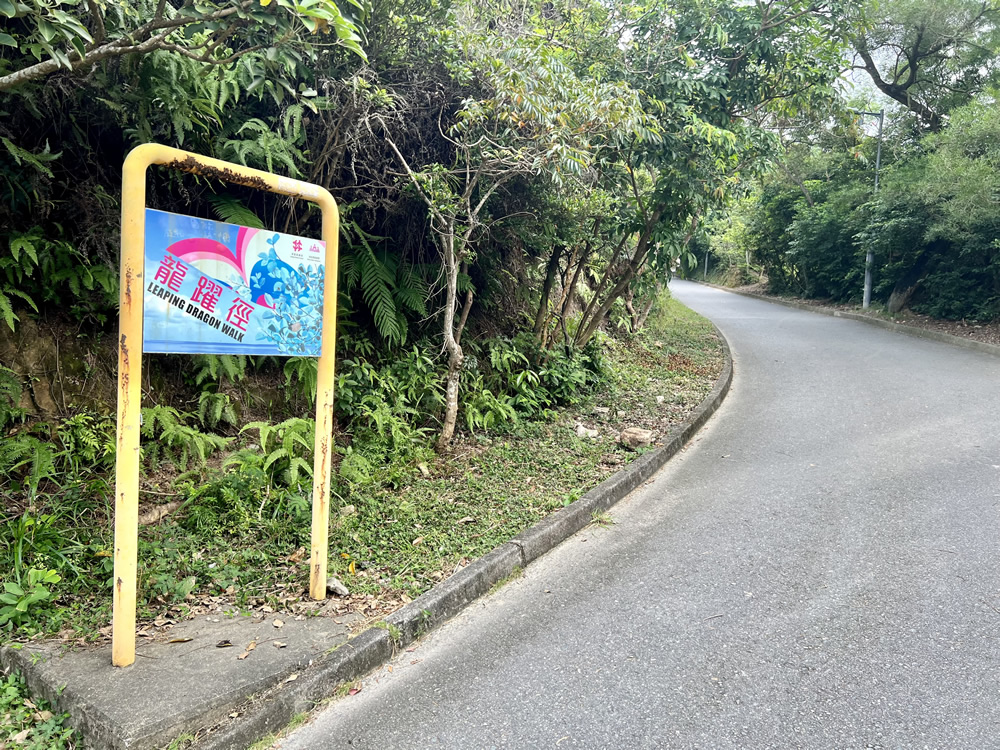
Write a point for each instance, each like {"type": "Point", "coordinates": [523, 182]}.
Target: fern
{"type": "Point", "coordinates": [388, 285]}
{"type": "Point", "coordinates": [292, 122]}
{"type": "Point", "coordinates": [10, 397]}
{"type": "Point", "coordinates": [215, 408]}
{"type": "Point", "coordinates": [213, 368]}
{"type": "Point", "coordinates": [179, 100]}
{"type": "Point", "coordinates": [87, 441]}
{"type": "Point", "coordinates": [172, 435]}
{"type": "Point", "coordinates": [287, 446]}
{"type": "Point", "coordinates": [27, 458]}
{"type": "Point", "coordinates": [49, 267]}
{"type": "Point", "coordinates": [23, 157]}
{"type": "Point", "coordinates": [263, 147]}
{"type": "Point", "coordinates": [232, 211]}
{"type": "Point", "coordinates": [302, 372]}
{"type": "Point", "coordinates": [7, 309]}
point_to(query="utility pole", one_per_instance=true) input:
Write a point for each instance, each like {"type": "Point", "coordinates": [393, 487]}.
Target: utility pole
{"type": "Point", "coordinates": [870, 255]}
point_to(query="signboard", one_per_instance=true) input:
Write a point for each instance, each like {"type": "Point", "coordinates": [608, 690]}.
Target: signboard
{"type": "Point", "coordinates": [214, 288]}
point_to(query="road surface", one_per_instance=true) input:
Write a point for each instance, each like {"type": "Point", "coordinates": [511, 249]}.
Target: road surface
{"type": "Point", "coordinates": [819, 569]}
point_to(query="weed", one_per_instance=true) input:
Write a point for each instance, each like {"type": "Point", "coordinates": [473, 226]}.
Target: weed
{"type": "Point", "coordinates": [18, 599]}
{"type": "Point", "coordinates": [424, 622]}
{"type": "Point", "coordinates": [345, 689]}
{"type": "Point", "coordinates": [513, 576]}
{"type": "Point", "coordinates": [572, 496]}
{"type": "Point", "coordinates": [31, 723]}
{"type": "Point", "coordinates": [183, 741]}
{"type": "Point", "coordinates": [393, 631]}
{"type": "Point", "coordinates": [602, 519]}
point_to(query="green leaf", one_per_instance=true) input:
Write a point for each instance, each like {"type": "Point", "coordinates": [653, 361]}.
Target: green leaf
{"type": "Point", "coordinates": [47, 30]}
{"type": "Point", "coordinates": [7, 9]}
{"type": "Point", "coordinates": [7, 39]}
{"type": "Point", "coordinates": [12, 588]}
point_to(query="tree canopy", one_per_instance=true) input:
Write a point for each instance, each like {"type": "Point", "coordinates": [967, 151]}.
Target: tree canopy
{"type": "Point", "coordinates": [497, 163]}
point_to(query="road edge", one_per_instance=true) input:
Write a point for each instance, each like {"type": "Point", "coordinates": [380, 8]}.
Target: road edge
{"type": "Point", "coordinates": [923, 333]}
{"type": "Point", "coordinates": [275, 709]}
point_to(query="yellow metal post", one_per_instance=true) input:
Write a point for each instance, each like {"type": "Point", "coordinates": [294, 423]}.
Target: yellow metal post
{"type": "Point", "coordinates": [324, 408]}
{"type": "Point", "coordinates": [130, 368]}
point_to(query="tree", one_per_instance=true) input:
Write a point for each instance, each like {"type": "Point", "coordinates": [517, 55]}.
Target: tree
{"type": "Point", "coordinates": [72, 35]}
{"type": "Point", "coordinates": [929, 55]}
{"type": "Point", "coordinates": [533, 117]}
{"type": "Point", "coordinates": [709, 73]}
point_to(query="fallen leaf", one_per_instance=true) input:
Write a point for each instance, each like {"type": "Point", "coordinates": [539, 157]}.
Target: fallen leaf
{"type": "Point", "coordinates": [354, 691]}
{"type": "Point", "coordinates": [467, 519]}
{"type": "Point", "coordinates": [280, 644]}
{"type": "Point", "coordinates": [224, 644]}
{"type": "Point", "coordinates": [389, 668]}
{"type": "Point", "coordinates": [252, 645]}
{"type": "Point", "coordinates": [20, 736]}
{"type": "Point", "coordinates": [292, 677]}
{"type": "Point", "coordinates": [44, 715]}
{"type": "Point", "coordinates": [297, 555]}
{"type": "Point", "coordinates": [352, 568]}
{"type": "Point", "coordinates": [29, 704]}
{"type": "Point", "coordinates": [278, 623]}
{"type": "Point", "coordinates": [180, 640]}
{"type": "Point", "coordinates": [417, 541]}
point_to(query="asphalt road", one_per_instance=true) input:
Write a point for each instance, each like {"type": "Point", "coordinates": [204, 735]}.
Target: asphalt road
{"type": "Point", "coordinates": [819, 569]}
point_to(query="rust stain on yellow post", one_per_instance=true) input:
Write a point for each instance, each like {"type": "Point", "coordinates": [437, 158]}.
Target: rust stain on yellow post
{"type": "Point", "coordinates": [130, 368]}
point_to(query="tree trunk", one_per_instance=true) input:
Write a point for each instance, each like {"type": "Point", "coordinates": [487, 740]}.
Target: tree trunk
{"type": "Point", "coordinates": [455, 357]}
{"type": "Point", "coordinates": [629, 298]}
{"type": "Point", "coordinates": [907, 284]}
{"type": "Point", "coordinates": [644, 315]}
{"type": "Point", "coordinates": [541, 317]}
{"type": "Point", "coordinates": [446, 237]}
{"type": "Point", "coordinates": [589, 327]}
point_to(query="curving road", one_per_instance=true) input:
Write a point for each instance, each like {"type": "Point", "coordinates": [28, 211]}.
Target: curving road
{"type": "Point", "coordinates": [819, 569]}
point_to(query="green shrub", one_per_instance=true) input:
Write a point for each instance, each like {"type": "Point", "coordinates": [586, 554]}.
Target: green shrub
{"type": "Point", "coordinates": [18, 599]}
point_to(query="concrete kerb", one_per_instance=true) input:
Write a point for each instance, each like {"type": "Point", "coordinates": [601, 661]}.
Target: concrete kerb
{"type": "Point", "coordinates": [373, 647]}
{"type": "Point", "coordinates": [889, 325]}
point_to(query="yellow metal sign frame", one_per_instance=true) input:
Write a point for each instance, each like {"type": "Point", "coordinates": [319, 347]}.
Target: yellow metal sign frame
{"type": "Point", "coordinates": [130, 368]}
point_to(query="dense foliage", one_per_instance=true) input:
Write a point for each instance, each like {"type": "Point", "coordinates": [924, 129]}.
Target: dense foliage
{"type": "Point", "coordinates": [933, 224]}
{"type": "Point", "coordinates": [514, 178]}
